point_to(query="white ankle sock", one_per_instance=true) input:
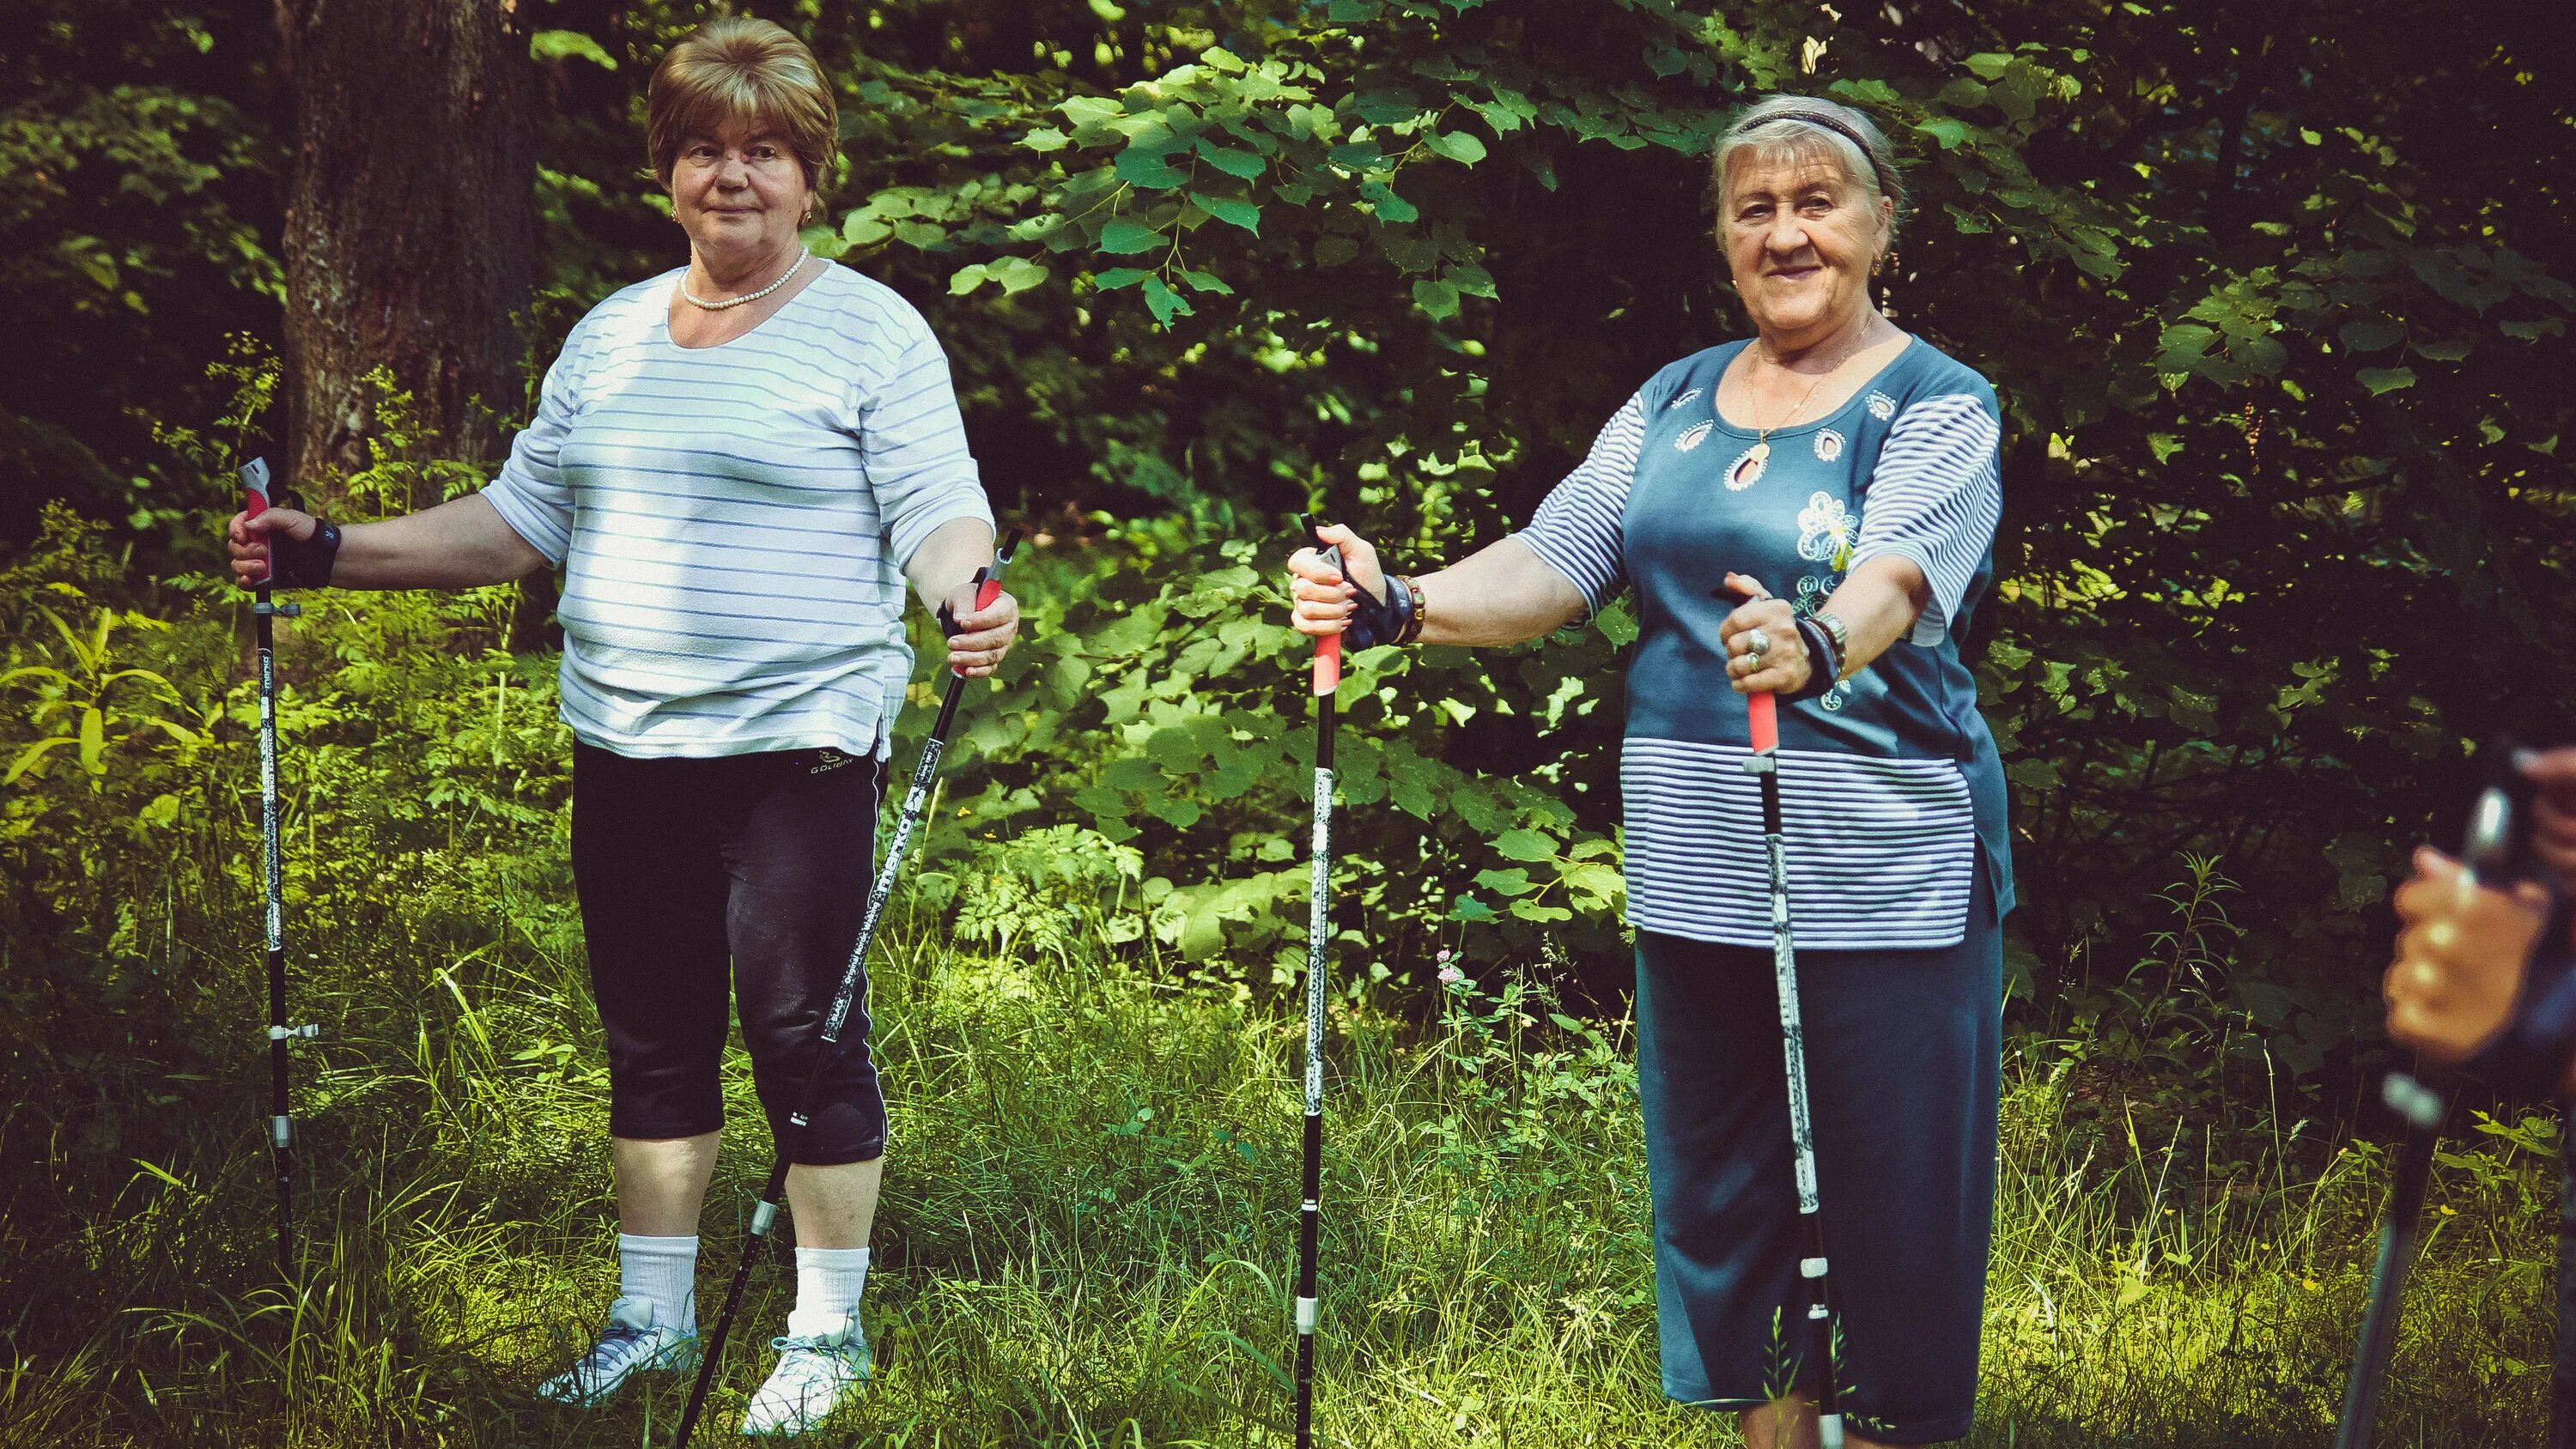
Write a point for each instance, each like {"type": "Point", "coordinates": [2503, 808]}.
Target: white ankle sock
{"type": "Point", "coordinates": [662, 1272]}
{"type": "Point", "coordinates": [828, 1284]}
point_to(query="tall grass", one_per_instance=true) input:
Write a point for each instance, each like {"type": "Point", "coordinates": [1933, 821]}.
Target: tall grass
{"type": "Point", "coordinates": [1090, 1219]}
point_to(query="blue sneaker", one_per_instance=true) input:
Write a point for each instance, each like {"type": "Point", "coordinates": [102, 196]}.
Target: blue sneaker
{"type": "Point", "coordinates": [631, 1344]}
{"type": "Point", "coordinates": [820, 1365]}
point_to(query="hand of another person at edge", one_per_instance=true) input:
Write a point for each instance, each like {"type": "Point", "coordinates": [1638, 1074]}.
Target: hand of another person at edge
{"type": "Point", "coordinates": [246, 538]}
{"type": "Point", "coordinates": [1323, 597]}
{"type": "Point", "coordinates": [983, 635]}
{"type": "Point", "coordinates": [2461, 954]}
{"type": "Point", "coordinates": [1781, 668]}
{"type": "Point", "coordinates": [2553, 813]}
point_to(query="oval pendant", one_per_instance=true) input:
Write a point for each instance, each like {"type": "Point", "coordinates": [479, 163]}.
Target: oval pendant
{"type": "Point", "coordinates": [1760, 452]}
{"type": "Point", "coordinates": [1746, 471]}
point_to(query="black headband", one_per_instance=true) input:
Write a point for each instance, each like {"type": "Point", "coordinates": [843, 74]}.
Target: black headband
{"type": "Point", "coordinates": [1819, 118]}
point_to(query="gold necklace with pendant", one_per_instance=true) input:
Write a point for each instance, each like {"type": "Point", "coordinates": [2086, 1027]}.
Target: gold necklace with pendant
{"type": "Point", "coordinates": [1758, 457]}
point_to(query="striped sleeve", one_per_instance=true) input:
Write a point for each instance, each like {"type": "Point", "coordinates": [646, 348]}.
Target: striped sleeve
{"type": "Point", "coordinates": [1935, 497]}
{"type": "Point", "coordinates": [532, 495]}
{"type": "Point", "coordinates": [1576, 530]}
{"type": "Point", "coordinates": [912, 441]}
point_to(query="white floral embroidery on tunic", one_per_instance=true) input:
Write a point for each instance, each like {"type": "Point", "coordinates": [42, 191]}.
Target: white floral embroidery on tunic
{"type": "Point", "coordinates": [1824, 529]}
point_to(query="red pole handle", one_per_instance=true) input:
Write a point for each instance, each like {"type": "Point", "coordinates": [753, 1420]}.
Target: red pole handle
{"type": "Point", "coordinates": [254, 479]}
{"type": "Point", "coordinates": [1328, 647]}
{"type": "Point", "coordinates": [1766, 722]}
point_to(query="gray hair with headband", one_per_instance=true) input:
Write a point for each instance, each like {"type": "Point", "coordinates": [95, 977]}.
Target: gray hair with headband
{"type": "Point", "coordinates": [1799, 128]}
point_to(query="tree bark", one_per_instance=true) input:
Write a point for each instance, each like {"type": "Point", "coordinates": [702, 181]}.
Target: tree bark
{"type": "Point", "coordinates": [411, 226]}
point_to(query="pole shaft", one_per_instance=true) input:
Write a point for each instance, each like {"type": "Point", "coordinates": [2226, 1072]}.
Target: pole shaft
{"type": "Point", "coordinates": [853, 974]}
{"type": "Point", "coordinates": [1813, 1266]}
{"type": "Point", "coordinates": [1327, 678]}
{"type": "Point", "coordinates": [2421, 1098]}
{"type": "Point", "coordinates": [281, 1126]}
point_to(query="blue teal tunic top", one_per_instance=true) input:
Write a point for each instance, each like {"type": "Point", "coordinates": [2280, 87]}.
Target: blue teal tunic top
{"type": "Point", "coordinates": [1891, 791]}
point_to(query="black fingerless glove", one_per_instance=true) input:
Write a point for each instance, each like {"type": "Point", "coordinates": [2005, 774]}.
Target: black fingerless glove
{"type": "Point", "coordinates": [1377, 620]}
{"type": "Point", "coordinates": [2532, 1055]}
{"type": "Point", "coordinates": [304, 563]}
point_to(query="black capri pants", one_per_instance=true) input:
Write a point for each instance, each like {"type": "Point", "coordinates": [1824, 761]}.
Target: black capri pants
{"type": "Point", "coordinates": [743, 875]}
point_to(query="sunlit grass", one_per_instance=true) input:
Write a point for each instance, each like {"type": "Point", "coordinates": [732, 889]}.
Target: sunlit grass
{"type": "Point", "coordinates": [1090, 1221]}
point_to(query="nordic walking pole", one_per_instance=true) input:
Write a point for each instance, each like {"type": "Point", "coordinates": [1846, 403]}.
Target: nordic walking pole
{"type": "Point", "coordinates": [1765, 766]}
{"type": "Point", "coordinates": [281, 1125]}
{"type": "Point", "coordinates": [1319, 936]}
{"type": "Point", "coordinates": [988, 582]}
{"type": "Point", "coordinates": [2420, 1098]}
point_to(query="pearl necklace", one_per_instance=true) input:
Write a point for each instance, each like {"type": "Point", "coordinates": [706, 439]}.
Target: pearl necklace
{"type": "Point", "coordinates": [695, 300]}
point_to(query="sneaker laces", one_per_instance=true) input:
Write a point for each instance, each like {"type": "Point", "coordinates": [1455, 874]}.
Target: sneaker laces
{"type": "Point", "coordinates": [813, 1368]}
{"type": "Point", "coordinates": [622, 1345]}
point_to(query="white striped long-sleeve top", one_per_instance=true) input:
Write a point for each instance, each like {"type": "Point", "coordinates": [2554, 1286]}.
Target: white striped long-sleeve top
{"type": "Point", "coordinates": [733, 520]}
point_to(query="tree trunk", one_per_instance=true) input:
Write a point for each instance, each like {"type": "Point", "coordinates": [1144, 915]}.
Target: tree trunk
{"type": "Point", "coordinates": [411, 224]}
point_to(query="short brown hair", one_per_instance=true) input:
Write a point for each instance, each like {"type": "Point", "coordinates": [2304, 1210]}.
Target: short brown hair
{"type": "Point", "coordinates": [742, 69]}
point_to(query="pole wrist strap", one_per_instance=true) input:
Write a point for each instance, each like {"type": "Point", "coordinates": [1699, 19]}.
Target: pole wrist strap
{"type": "Point", "coordinates": [304, 563]}
{"type": "Point", "coordinates": [1393, 619]}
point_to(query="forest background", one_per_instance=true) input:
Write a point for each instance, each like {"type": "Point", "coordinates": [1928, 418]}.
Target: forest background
{"type": "Point", "coordinates": [2276, 300]}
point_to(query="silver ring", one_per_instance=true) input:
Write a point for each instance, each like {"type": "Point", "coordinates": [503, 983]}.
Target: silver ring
{"type": "Point", "coordinates": [1756, 643]}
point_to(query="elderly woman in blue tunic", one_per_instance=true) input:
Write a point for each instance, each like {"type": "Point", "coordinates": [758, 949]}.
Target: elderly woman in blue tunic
{"type": "Point", "coordinates": [739, 464]}
{"type": "Point", "coordinates": [1842, 475]}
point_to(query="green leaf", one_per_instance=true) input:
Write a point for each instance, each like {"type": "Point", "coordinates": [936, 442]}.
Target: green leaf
{"type": "Point", "coordinates": [1386, 106]}
{"type": "Point", "coordinates": [1389, 206]}
{"type": "Point", "coordinates": [569, 45]}
{"type": "Point", "coordinates": [1332, 251]}
{"type": "Point", "coordinates": [1232, 162]}
{"type": "Point", "coordinates": [1164, 302]}
{"type": "Point", "coordinates": [1951, 134]}
{"type": "Point", "coordinates": [1017, 274]}
{"type": "Point", "coordinates": [1139, 167]}
{"type": "Point", "coordinates": [1046, 138]}
{"type": "Point", "coordinates": [1512, 882]}
{"type": "Point", "coordinates": [2386, 379]}
{"type": "Point", "coordinates": [1205, 282]}
{"type": "Point", "coordinates": [1458, 146]}
{"type": "Point", "coordinates": [1533, 911]}
{"type": "Point", "coordinates": [2452, 351]}
{"type": "Point", "coordinates": [1122, 237]}
{"type": "Point", "coordinates": [1116, 277]}
{"type": "Point", "coordinates": [1525, 845]}
{"type": "Point", "coordinates": [1988, 66]}
{"type": "Point", "coordinates": [1437, 298]}
{"type": "Point", "coordinates": [1229, 210]}
{"type": "Point", "coordinates": [2363, 336]}
{"type": "Point", "coordinates": [966, 279]}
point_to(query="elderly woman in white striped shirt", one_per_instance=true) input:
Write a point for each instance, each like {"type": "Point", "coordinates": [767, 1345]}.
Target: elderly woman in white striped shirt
{"type": "Point", "coordinates": [1842, 475]}
{"type": "Point", "coordinates": [738, 464]}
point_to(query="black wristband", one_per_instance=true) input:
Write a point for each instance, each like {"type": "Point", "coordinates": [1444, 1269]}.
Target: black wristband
{"type": "Point", "coordinates": [1824, 666]}
{"type": "Point", "coordinates": [304, 563]}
